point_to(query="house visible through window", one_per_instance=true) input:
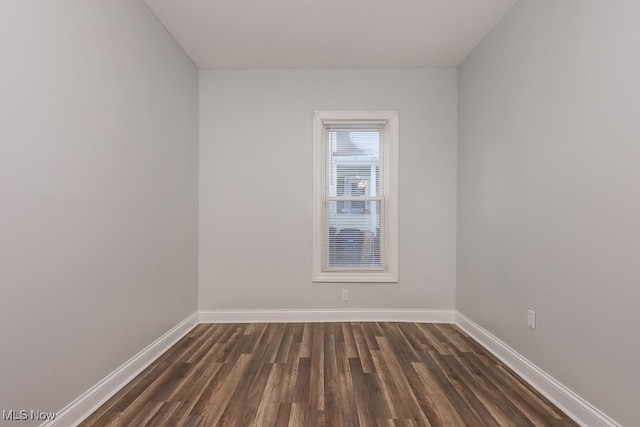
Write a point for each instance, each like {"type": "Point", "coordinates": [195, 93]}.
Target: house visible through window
{"type": "Point", "coordinates": [355, 219]}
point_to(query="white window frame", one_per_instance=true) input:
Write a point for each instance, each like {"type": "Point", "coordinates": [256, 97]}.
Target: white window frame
{"type": "Point", "coordinates": [389, 168]}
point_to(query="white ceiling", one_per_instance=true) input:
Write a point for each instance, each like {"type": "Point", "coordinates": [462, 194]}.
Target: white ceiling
{"type": "Point", "coordinates": [328, 33]}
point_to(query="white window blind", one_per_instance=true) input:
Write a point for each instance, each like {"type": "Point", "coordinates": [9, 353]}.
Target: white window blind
{"type": "Point", "coordinates": [354, 197]}
{"type": "Point", "coordinates": [355, 200]}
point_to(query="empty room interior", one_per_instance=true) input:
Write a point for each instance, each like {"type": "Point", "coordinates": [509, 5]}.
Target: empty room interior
{"type": "Point", "coordinates": [158, 173]}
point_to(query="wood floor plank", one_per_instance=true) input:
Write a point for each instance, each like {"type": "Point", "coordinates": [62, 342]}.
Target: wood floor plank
{"type": "Point", "coordinates": [393, 368]}
{"type": "Point", "coordinates": [333, 374]}
{"type": "Point", "coordinates": [316, 387]}
{"type": "Point", "coordinates": [253, 377]}
{"type": "Point", "coordinates": [462, 409]}
{"type": "Point", "coordinates": [387, 386]}
{"type": "Point", "coordinates": [371, 331]}
{"type": "Point", "coordinates": [273, 340]}
{"type": "Point", "coordinates": [283, 350]}
{"type": "Point", "coordinates": [248, 407]}
{"type": "Point", "coordinates": [290, 375]}
{"type": "Point", "coordinates": [284, 413]}
{"type": "Point", "coordinates": [440, 411]}
{"type": "Point", "coordinates": [502, 410]}
{"type": "Point", "coordinates": [460, 380]}
{"type": "Point", "coordinates": [453, 336]}
{"type": "Point", "coordinates": [270, 402]}
{"type": "Point", "coordinates": [215, 399]}
{"type": "Point", "coordinates": [303, 381]}
{"type": "Point", "coordinates": [298, 415]}
{"type": "Point", "coordinates": [346, 390]}
{"type": "Point", "coordinates": [144, 415]}
{"type": "Point", "coordinates": [435, 339]}
{"type": "Point", "coordinates": [364, 352]}
{"type": "Point", "coordinates": [349, 341]}
{"type": "Point", "coordinates": [307, 335]}
{"type": "Point", "coordinates": [364, 408]}
{"type": "Point", "coordinates": [331, 388]}
{"type": "Point", "coordinates": [516, 394]}
{"type": "Point", "coordinates": [165, 414]}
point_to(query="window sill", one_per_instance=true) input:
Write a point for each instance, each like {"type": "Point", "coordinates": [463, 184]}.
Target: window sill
{"type": "Point", "coordinates": [356, 277]}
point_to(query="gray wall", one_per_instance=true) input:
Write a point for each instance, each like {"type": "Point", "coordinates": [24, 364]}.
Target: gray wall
{"type": "Point", "coordinates": [548, 205]}
{"type": "Point", "coordinates": [256, 182]}
{"type": "Point", "coordinates": [98, 193]}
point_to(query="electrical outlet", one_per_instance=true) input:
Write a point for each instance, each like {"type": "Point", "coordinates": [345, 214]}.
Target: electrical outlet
{"type": "Point", "coordinates": [531, 318]}
{"type": "Point", "coordinates": [345, 295]}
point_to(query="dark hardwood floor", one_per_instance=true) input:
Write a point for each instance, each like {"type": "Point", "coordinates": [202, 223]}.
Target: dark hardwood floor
{"type": "Point", "coordinates": [332, 374]}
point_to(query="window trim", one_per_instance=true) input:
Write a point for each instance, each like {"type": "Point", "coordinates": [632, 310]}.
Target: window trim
{"type": "Point", "coordinates": [390, 185]}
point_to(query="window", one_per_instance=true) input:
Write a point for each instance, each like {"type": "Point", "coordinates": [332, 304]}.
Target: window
{"type": "Point", "coordinates": [355, 157]}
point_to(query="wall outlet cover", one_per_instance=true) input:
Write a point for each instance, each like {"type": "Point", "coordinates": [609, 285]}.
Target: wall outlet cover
{"type": "Point", "coordinates": [531, 318]}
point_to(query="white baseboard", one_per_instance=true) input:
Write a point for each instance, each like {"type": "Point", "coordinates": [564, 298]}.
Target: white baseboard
{"type": "Point", "coordinates": [570, 403]}
{"type": "Point", "coordinates": [93, 398]}
{"type": "Point", "coordinates": [292, 316]}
